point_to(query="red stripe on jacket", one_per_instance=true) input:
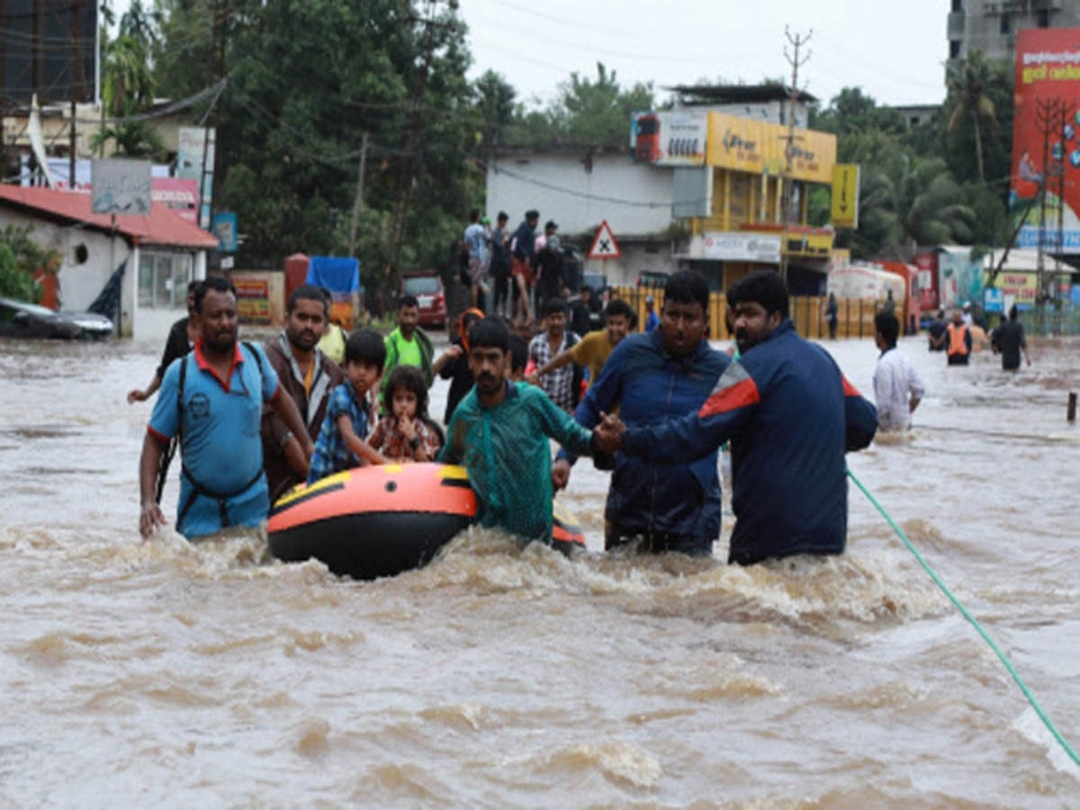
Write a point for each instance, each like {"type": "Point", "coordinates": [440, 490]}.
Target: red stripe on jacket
{"type": "Point", "coordinates": [743, 393]}
{"type": "Point", "coordinates": [849, 389]}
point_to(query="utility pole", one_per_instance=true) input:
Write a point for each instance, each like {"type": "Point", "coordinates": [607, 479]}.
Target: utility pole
{"type": "Point", "coordinates": [796, 42]}
{"type": "Point", "coordinates": [358, 203]}
{"type": "Point", "coordinates": [1050, 120]}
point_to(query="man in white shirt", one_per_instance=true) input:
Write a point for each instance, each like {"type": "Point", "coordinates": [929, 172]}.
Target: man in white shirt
{"type": "Point", "coordinates": [897, 387]}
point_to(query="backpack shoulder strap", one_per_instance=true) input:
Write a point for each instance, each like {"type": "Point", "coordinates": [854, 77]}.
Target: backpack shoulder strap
{"type": "Point", "coordinates": [180, 398]}
{"type": "Point", "coordinates": [258, 359]}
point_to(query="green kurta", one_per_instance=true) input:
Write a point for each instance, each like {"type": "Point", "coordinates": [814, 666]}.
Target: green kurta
{"type": "Point", "coordinates": [506, 451]}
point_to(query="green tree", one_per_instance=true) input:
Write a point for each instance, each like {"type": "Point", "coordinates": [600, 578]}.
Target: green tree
{"type": "Point", "coordinates": [587, 112]}
{"type": "Point", "coordinates": [495, 107]}
{"type": "Point", "coordinates": [128, 89]}
{"type": "Point", "coordinates": [969, 81]}
{"type": "Point", "coordinates": [307, 79]}
{"type": "Point", "coordinates": [852, 111]}
{"type": "Point", "coordinates": [905, 200]}
{"type": "Point", "coordinates": [20, 258]}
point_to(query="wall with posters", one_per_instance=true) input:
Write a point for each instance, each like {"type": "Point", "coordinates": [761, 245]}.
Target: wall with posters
{"type": "Point", "coordinates": [1047, 70]}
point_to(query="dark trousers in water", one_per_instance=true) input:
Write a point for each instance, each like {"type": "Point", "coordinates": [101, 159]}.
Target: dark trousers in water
{"type": "Point", "coordinates": [656, 542]}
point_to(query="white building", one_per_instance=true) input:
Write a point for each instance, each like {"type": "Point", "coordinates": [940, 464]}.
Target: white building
{"type": "Point", "coordinates": [580, 188]}
{"type": "Point", "coordinates": [162, 250]}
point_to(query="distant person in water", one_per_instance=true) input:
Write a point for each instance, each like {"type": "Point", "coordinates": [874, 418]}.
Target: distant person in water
{"type": "Point", "coordinates": [1008, 341]}
{"type": "Point", "coordinates": [898, 389]}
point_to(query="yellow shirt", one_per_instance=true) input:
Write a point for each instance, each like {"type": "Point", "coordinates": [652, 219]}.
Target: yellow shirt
{"type": "Point", "coordinates": [592, 351]}
{"type": "Point", "coordinates": [332, 344]}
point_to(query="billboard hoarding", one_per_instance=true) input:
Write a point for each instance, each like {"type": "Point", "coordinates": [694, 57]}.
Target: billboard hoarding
{"type": "Point", "coordinates": [1047, 76]}
{"type": "Point", "coordinates": [195, 161]}
{"type": "Point", "coordinates": [120, 187]}
{"type": "Point", "coordinates": [670, 138]}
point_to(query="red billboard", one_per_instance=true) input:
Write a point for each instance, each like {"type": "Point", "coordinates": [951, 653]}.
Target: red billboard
{"type": "Point", "coordinates": [1047, 90]}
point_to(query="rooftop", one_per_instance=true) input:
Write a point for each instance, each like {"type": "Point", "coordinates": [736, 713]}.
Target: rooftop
{"type": "Point", "coordinates": [737, 93]}
{"type": "Point", "coordinates": [162, 226]}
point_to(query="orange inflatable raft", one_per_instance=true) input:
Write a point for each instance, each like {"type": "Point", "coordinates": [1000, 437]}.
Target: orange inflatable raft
{"type": "Point", "coordinates": [379, 521]}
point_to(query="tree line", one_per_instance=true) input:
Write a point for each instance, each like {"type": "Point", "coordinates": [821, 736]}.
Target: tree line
{"type": "Point", "coordinates": [318, 88]}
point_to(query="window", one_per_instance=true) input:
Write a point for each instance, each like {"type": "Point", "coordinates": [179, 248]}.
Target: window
{"type": "Point", "coordinates": [1042, 18]}
{"type": "Point", "coordinates": [954, 49]}
{"type": "Point", "coordinates": [163, 279]}
{"type": "Point", "coordinates": [957, 5]}
{"type": "Point", "coordinates": [1005, 26]}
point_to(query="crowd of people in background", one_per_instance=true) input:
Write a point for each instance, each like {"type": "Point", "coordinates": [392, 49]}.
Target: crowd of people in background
{"type": "Point", "coordinates": [653, 406]}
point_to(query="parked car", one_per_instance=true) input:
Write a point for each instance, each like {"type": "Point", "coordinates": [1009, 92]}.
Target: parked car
{"type": "Point", "coordinates": [21, 319]}
{"type": "Point", "coordinates": [428, 290]}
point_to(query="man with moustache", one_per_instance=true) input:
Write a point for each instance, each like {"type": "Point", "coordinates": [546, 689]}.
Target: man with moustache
{"type": "Point", "coordinates": [212, 400]}
{"type": "Point", "coordinates": [790, 414]}
{"type": "Point", "coordinates": [308, 376]}
{"type": "Point", "coordinates": [500, 432]}
{"type": "Point", "coordinates": [653, 379]}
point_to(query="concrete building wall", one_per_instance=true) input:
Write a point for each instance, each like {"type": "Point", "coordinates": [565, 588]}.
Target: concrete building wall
{"type": "Point", "coordinates": [82, 275]}
{"type": "Point", "coordinates": [636, 259]}
{"type": "Point", "coordinates": [579, 192]}
{"type": "Point", "coordinates": [991, 25]}
{"type": "Point", "coordinates": [88, 259]}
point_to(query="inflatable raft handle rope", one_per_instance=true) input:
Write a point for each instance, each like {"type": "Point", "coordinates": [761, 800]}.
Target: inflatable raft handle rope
{"type": "Point", "coordinates": [972, 620]}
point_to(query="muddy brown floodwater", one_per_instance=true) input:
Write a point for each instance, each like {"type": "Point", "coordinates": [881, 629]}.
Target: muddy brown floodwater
{"type": "Point", "coordinates": [170, 675]}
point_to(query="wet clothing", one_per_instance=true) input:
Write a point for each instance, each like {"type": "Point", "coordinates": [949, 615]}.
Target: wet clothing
{"type": "Point", "coordinates": [311, 397]}
{"type": "Point", "coordinates": [222, 482]}
{"type": "Point", "coordinates": [958, 344]}
{"type": "Point", "coordinates": [176, 346]}
{"type": "Point", "coordinates": [417, 352]}
{"type": "Point", "coordinates": [331, 455]}
{"type": "Point", "coordinates": [790, 415]}
{"type": "Point", "coordinates": [1009, 340]}
{"type": "Point", "coordinates": [388, 439]}
{"type": "Point", "coordinates": [505, 449]}
{"type": "Point", "coordinates": [671, 506]}
{"type": "Point", "coordinates": [557, 384]}
{"type": "Point", "coordinates": [591, 352]}
{"type": "Point", "coordinates": [936, 332]}
{"type": "Point", "coordinates": [580, 320]}
{"type": "Point", "coordinates": [457, 370]}
{"type": "Point", "coordinates": [895, 383]}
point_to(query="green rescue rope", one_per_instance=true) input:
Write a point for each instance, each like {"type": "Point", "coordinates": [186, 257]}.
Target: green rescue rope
{"type": "Point", "coordinates": [972, 620]}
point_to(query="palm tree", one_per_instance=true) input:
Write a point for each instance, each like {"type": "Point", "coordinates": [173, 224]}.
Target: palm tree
{"type": "Point", "coordinates": [904, 200]}
{"type": "Point", "coordinates": [969, 80]}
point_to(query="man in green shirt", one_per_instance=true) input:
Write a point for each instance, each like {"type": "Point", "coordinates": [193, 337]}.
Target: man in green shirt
{"type": "Point", "coordinates": [500, 433]}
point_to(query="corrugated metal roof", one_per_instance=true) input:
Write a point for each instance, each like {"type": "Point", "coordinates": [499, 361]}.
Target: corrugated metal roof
{"type": "Point", "coordinates": [162, 226]}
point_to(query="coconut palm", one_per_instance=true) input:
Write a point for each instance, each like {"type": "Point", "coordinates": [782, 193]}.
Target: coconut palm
{"type": "Point", "coordinates": [904, 201]}
{"type": "Point", "coordinates": [969, 82]}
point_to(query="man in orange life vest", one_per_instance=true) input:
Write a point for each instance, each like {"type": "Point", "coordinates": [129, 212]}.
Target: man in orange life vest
{"type": "Point", "coordinates": [958, 340]}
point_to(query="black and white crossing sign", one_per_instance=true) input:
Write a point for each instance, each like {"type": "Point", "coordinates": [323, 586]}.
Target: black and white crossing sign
{"type": "Point", "coordinates": [604, 245]}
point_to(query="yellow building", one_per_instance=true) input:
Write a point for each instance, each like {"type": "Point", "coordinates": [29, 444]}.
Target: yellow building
{"type": "Point", "coordinates": [730, 197]}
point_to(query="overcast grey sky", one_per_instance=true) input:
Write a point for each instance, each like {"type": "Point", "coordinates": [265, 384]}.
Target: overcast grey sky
{"type": "Point", "coordinates": [894, 49]}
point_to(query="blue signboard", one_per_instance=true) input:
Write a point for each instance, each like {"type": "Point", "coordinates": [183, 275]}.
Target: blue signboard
{"type": "Point", "coordinates": [225, 231]}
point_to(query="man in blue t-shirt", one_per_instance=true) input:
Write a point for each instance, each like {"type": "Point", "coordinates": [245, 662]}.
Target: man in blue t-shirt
{"type": "Point", "coordinates": [212, 400]}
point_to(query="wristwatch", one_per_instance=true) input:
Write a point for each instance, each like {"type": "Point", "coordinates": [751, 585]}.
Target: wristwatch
{"type": "Point", "coordinates": [414, 443]}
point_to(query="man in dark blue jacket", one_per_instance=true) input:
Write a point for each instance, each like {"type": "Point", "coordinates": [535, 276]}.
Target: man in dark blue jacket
{"type": "Point", "coordinates": [790, 415]}
{"type": "Point", "coordinates": [655, 378]}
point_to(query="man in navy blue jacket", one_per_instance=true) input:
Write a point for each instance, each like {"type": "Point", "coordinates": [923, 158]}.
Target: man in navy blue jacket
{"type": "Point", "coordinates": [655, 378]}
{"type": "Point", "coordinates": [790, 415]}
